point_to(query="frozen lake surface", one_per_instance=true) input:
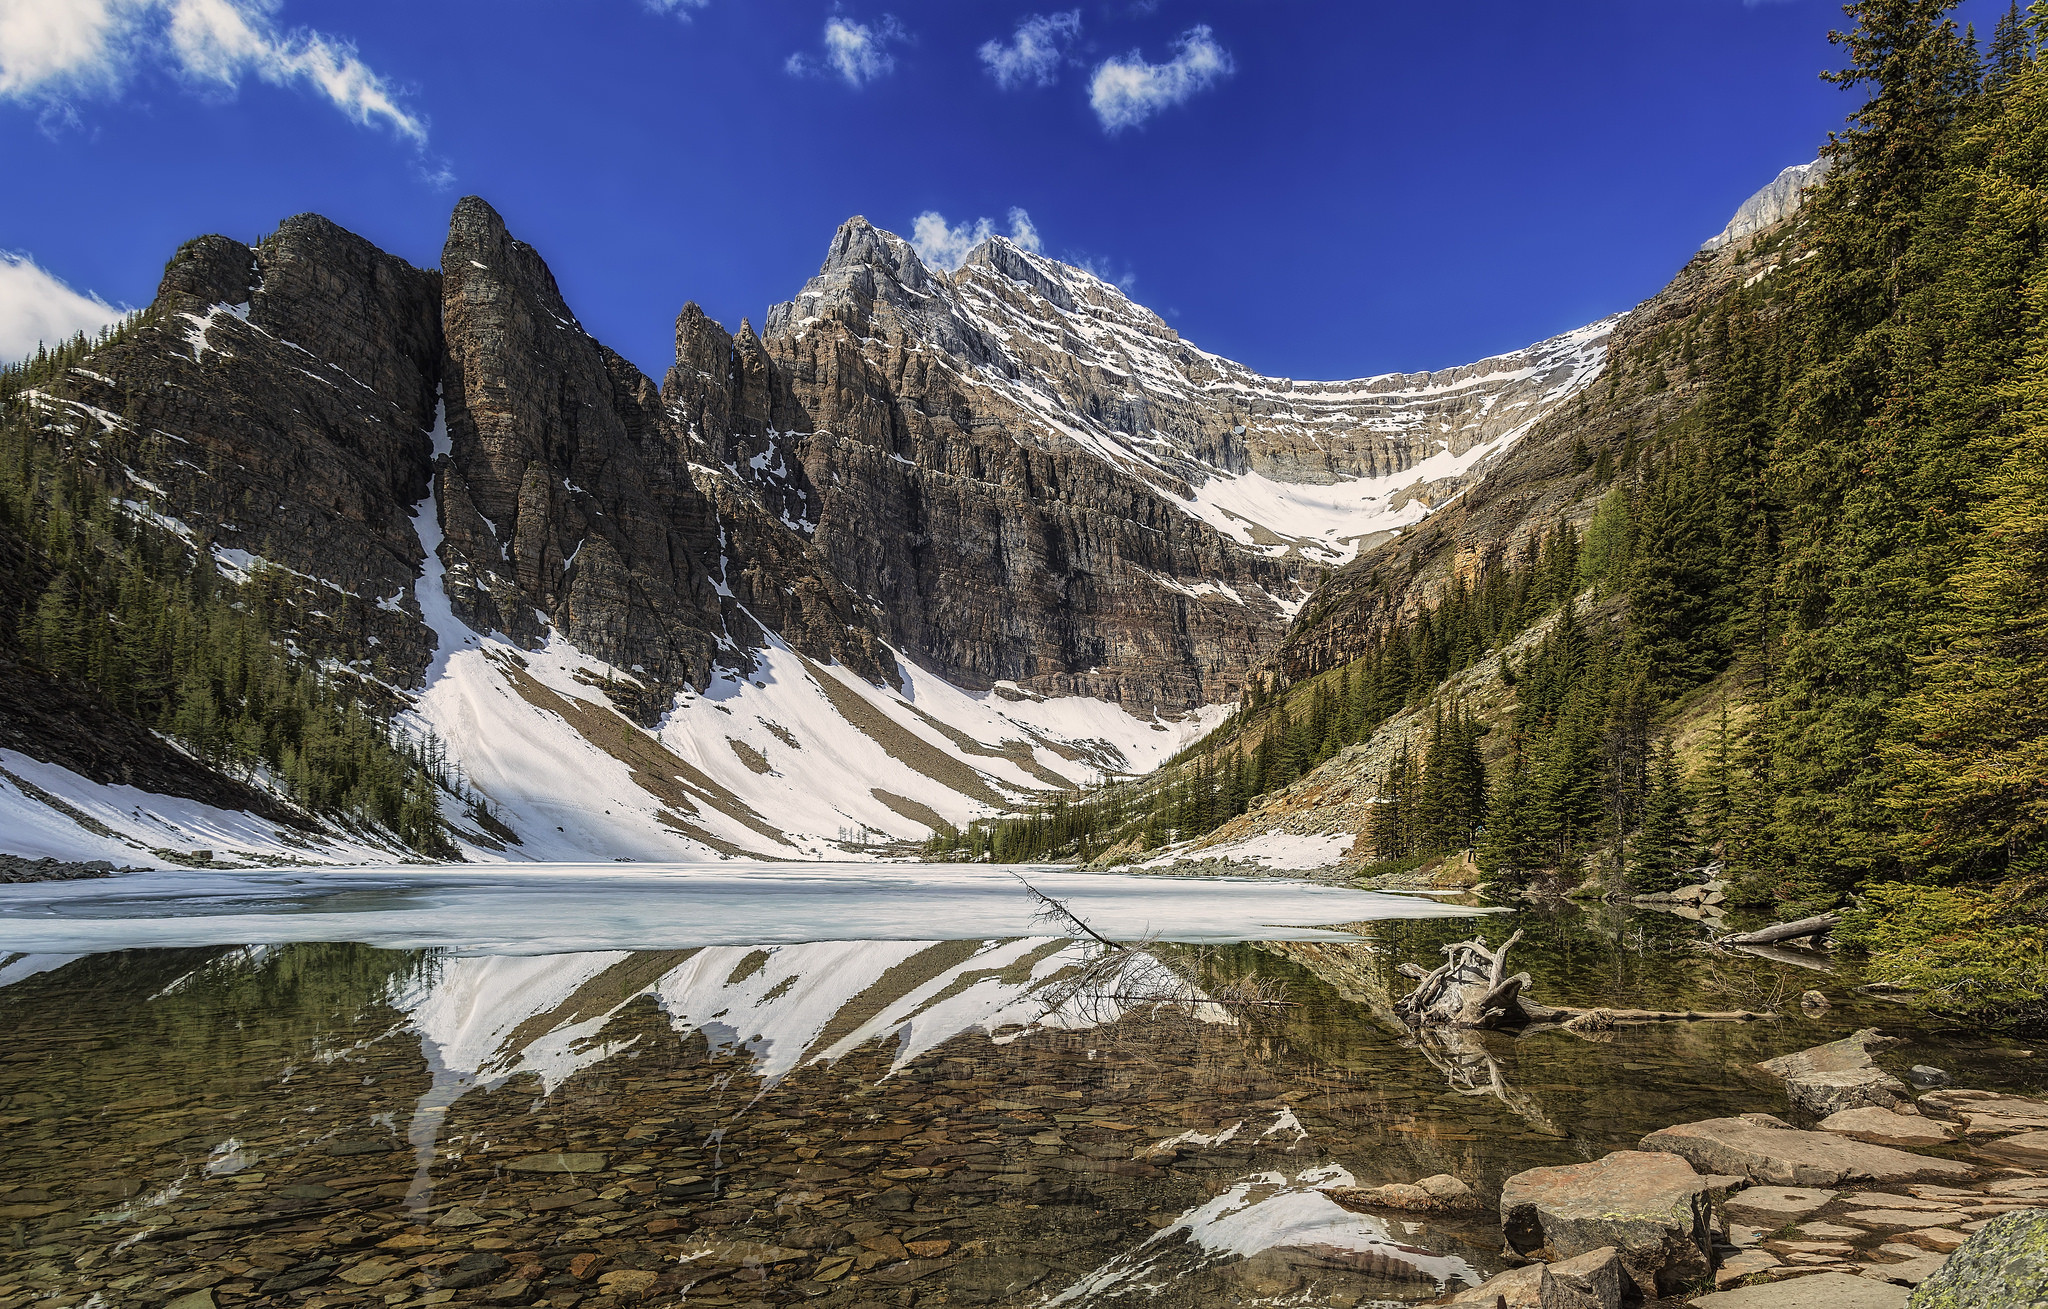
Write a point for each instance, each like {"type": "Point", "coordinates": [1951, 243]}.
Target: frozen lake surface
{"type": "Point", "coordinates": [547, 909]}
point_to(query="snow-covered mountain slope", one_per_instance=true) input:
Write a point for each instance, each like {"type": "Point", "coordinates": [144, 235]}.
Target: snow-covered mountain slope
{"type": "Point", "coordinates": [792, 760]}
{"type": "Point", "coordinates": [1299, 469]}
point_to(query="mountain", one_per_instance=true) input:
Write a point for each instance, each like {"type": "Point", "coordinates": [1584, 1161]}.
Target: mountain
{"type": "Point", "coordinates": [930, 543]}
{"type": "Point", "coordinates": [1759, 613]}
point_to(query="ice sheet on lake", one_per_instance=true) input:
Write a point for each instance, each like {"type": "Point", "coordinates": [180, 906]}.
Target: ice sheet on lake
{"type": "Point", "coordinates": [550, 909]}
{"type": "Point", "coordinates": [1287, 850]}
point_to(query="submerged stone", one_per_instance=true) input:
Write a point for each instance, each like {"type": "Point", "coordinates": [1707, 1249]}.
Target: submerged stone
{"type": "Point", "coordinates": [558, 1162]}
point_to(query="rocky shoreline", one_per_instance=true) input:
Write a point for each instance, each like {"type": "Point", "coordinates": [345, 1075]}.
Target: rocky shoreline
{"type": "Point", "coordinates": [1751, 1211]}
{"type": "Point", "coordinates": [15, 869]}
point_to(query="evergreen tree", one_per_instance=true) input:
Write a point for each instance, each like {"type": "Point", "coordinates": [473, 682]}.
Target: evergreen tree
{"type": "Point", "coordinates": [1664, 846]}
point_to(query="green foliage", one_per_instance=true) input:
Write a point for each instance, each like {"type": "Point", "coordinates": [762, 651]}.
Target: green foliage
{"type": "Point", "coordinates": [147, 623]}
{"type": "Point", "coordinates": [1664, 845]}
{"type": "Point", "coordinates": [1432, 803]}
{"type": "Point", "coordinates": [1275, 738]}
{"type": "Point", "coordinates": [1964, 951]}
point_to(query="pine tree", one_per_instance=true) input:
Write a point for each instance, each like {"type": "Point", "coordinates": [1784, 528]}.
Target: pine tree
{"type": "Point", "coordinates": [1664, 845]}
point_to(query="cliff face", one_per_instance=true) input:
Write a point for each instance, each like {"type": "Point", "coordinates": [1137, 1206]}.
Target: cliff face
{"type": "Point", "coordinates": [985, 531]}
{"type": "Point", "coordinates": [1040, 482]}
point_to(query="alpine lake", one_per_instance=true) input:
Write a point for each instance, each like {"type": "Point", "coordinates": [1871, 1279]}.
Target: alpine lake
{"type": "Point", "coordinates": [812, 1119]}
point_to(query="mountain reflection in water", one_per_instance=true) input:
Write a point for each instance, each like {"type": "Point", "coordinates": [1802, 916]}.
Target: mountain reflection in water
{"type": "Point", "coordinates": [835, 1123]}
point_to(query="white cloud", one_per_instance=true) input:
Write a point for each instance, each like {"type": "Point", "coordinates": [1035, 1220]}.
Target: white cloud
{"type": "Point", "coordinates": [855, 51]}
{"type": "Point", "coordinates": [1098, 266]}
{"type": "Point", "coordinates": [943, 245]}
{"type": "Point", "coordinates": [680, 8]}
{"type": "Point", "coordinates": [37, 307]}
{"type": "Point", "coordinates": [1126, 90]}
{"type": "Point", "coordinates": [1034, 55]}
{"type": "Point", "coordinates": [55, 51]}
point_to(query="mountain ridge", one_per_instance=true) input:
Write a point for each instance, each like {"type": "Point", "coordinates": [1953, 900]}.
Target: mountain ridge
{"type": "Point", "coordinates": [966, 525]}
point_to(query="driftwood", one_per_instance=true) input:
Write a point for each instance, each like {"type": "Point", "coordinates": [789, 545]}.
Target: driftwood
{"type": "Point", "coordinates": [1473, 990]}
{"type": "Point", "coordinates": [1805, 927]}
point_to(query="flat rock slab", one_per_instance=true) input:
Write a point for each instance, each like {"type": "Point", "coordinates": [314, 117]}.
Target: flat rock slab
{"type": "Point", "coordinates": [1819, 1291]}
{"type": "Point", "coordinates": [1839, 1075]}
{"type": "Point", "coordinates": [1738, 1266]}
{"type": "Point", "coordinates": [1651, 1207]}
{"type": "Point", "coordinates": [1901, 1218]}
{"type": "Point", "coordinates": [1785, 1156]}
{"type": "Point", "coordinates": [1776, 1205]}
{"type": "Point", "coordinates": [1907, 1272]}
{"type": "Point", "coordinates": [1885, 1127]}
{"type": "Point", "coordinates": [1988, 1113]}
{"type": "Point", "coordinates": [2004, 1266]}
{"type": "Point", "coordinates": [2023, 1147]}
{"type": "Point", "coordinates": [1886, 1200]}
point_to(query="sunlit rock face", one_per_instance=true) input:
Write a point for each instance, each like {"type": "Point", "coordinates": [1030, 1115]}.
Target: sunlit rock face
{"type": "Point", "coordinates": [1044, 483]}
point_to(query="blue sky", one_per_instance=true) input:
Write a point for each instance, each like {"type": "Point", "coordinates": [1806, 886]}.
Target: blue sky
{"type": "Point", "coordinates": [1318, 190]}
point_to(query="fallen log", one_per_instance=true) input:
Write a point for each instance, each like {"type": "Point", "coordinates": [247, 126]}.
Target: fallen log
{"type": "Point", "coordinates": [1805, 927]}
{"type": "Point", "coordinates": [1600, 1020]}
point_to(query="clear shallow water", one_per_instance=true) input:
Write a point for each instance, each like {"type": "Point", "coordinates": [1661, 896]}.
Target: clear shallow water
{"type": "Point", "coordinates": [550, 908]}
{"type": "Point", "coordinates": [836, 1122]}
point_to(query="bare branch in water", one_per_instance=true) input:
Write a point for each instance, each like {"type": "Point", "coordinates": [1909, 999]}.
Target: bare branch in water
{"type": "Point", "coordinates": [1053, 909]}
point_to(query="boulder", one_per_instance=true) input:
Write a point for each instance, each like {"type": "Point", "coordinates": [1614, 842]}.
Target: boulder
{"type": "Point", "coordinates": [1925, 1077]}
{"type": "Point", "coordinates": [1784, 1156]}
{"type": "Point", "coordinates": [2004, 1266]}
{"type": "Point", "coordinates": [1818, 1291]}
{"type": "Point", "coordinates": [1839, 1075]}
{"type": "Point", "coordinates": [1594, 1280]}
{"type": "Point", "coordinates": [1650, 1207]}
{"type": "Point", "coordinates": [1886, 1127]}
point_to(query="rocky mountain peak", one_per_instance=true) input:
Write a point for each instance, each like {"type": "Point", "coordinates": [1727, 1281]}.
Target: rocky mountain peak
{"type": "Point", "coordinates": [860, 244]}
{"type": "Point", "coordinates": [1776, 202]}
{"type": "Point", "coordinates": [1047, 277]}
{"type": "Point", "coordinates": [207, 271]}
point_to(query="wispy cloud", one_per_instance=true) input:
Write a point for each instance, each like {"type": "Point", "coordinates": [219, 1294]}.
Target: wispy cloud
{"type": "Point", "coordinates": [682, 9]}
{"type": "Point", "coordinates": [1126, 90]}
{"type": "Point", "coordinates": [36, 306]}
{"type": "Point", "coordinates": [1033, 56]}
{"type": "Point", "coordinates": [1100, 267]}
{"type": "Point", "coordinates": [857, 52]}
{"type": "Point", "coordinates": [56, 52]}
{"type": "Point", "coordinates": [943, 245]}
